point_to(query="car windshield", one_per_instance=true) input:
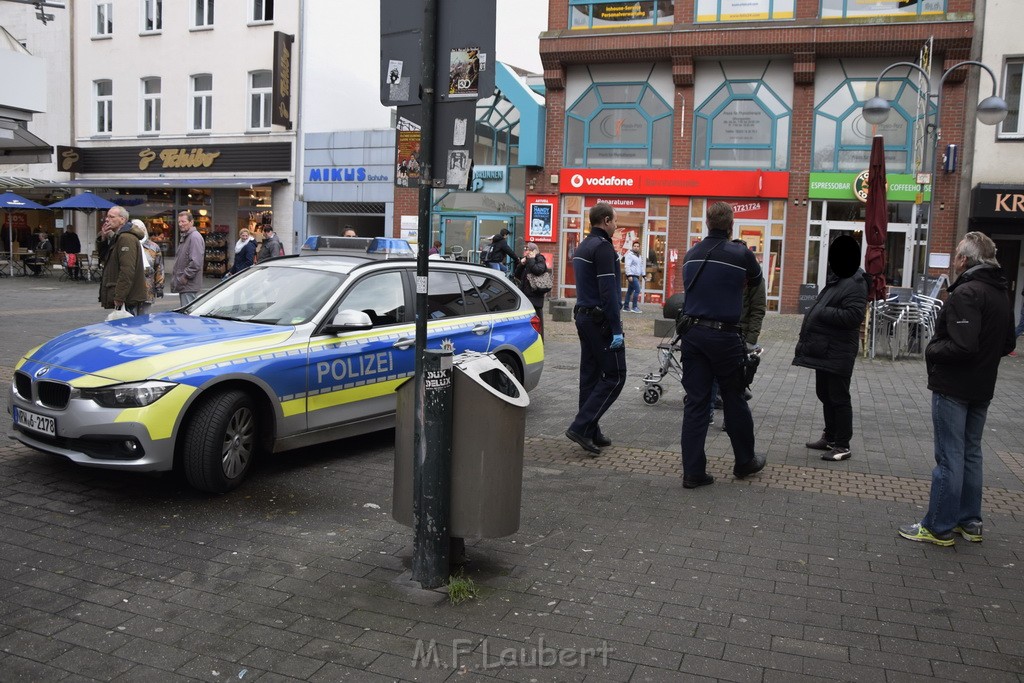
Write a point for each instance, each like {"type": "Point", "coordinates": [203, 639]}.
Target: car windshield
{"type": "Point", "coordinates": [271, 295]}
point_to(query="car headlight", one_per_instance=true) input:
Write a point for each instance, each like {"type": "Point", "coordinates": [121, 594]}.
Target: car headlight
{"type": "Point", "coordinates": [130, 395]}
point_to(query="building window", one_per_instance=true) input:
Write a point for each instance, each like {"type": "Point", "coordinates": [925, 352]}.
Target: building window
{"type": "Point", "coordinates": [626, 125]}
{"type": "Point", "coordinates": [104, 19]}
{"type": "Point", "coordinates": [202, 14]}
{"type": "Point", "coordinates": [842, 138]}
{"type": "Point", "coordinates": [260, 97]}
{"type": "Point", "coordinates": [104, 106]}
{"type": "Point", "coordinates": [746, 10]}
{"type": "Point", "coordinates": [202, 103]}
{"type": "Point", "coordinates": [1012, 127]}
{"type": "Point", "coordinates": [152, 16]}
{"type": "Point", "coordinates": [857, 9]}
{"type": "Point", "coordinates": [151, 105]}
{"type": "Point", "coordinates": [743, 124]}
{"type": "Point", "coordinates": [262, 10]}
{"type": "Point", "coordinates": [604, 14]}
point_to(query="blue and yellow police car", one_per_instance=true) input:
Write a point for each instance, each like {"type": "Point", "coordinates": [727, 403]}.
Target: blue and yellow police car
{"type": "Point", "coordinates": [297, 351]}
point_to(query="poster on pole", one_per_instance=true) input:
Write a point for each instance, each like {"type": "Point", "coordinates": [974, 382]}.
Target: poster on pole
{"type": "Point", "coordinates": [407, 164]}
{"type": "Point", "coordinates": [464, 73]}
{"type": "Point", "coordinates": [541, 214]}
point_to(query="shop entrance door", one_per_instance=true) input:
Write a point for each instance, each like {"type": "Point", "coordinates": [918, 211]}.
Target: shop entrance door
{"type": "Point", "coordinates": [464, 235]}
{"type": "Point", "coordinates": [1008, 251]}
{"type": "Point", "coordinates": [898, 255]}
{"type": "Point", "coordinates": [457, 236]}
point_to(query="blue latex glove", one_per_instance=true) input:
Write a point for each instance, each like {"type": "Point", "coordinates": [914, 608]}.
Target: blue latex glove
{"type": "Point", "coordinates": [617, 342]}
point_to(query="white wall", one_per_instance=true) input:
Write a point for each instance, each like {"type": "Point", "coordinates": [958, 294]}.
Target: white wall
{"type": "Point", "coordinates": [1003, 162]}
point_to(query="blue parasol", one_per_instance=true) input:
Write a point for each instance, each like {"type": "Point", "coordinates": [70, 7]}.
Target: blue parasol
{"type": "Point", "coordinates": [86, 201]}
{"type": "Point", "coordinates": [10, 201]}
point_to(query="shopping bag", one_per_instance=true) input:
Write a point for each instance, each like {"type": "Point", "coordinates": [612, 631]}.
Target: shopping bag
{"type": "Point", "coordinates": [118, 313]}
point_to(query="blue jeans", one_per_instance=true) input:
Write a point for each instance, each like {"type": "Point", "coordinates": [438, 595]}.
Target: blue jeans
{"type": "Point", "coordinates": [632, 292]}
{"type": "Point", "coordinates": [1020, 326]}
{"type": "Point", "coordinates": [496, 265]}
{"type": "Point", "coordinates": [956, 479]}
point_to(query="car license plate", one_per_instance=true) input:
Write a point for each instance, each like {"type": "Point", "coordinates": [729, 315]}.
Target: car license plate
{"type": "Point", "coordinates": [37, 423]}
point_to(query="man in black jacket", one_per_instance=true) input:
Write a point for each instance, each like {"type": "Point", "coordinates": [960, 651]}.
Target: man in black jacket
{"type": "Point", "coordinates": [500, 251]}
{"type": "Point", "coordinates": [828, 344]}
{"type": "Point", "coordinates": [973, 332]}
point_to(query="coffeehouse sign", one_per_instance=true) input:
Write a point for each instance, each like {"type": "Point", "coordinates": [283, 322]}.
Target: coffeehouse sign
{"type": "Point", "coordinates": [263, 156]}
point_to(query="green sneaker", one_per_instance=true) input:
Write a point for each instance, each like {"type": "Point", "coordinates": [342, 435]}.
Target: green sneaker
{"type": "Point", "coordinates": [916, 532]}
{"type": "Point", "coordinates": [971, 531]}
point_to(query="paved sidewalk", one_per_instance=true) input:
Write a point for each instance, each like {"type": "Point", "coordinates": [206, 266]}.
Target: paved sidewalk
{"type": "Point", "coordinates": [616, 573]}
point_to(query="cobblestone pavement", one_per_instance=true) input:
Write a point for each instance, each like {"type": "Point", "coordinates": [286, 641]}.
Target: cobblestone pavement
{"type": "Point", "coordinates": [616, 573]}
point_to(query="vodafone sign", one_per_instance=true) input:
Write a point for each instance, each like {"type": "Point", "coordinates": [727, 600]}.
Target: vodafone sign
{"type": "Point", "coordinates": [685, 183]}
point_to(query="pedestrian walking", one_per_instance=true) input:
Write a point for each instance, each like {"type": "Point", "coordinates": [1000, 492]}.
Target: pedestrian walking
{"type": "Point", "coordinates": [187, 275]}
{"type": "Point", "coordinates": [974, 330]}
{"type": "Point", "coordinates": [715, 274]}
{"type": "Point", "coordinates": [153, 262]}
{"type": "Point", "coordinates": [71, 245]}
{"type": "Point", "coordinates": [245, 252]}
{"type": "Point", "coordinates": [123, 281]}
{"type": "Point", "coordinates": [271, 247]}
{"type": "Point", "coordinates": [499, 251]}
{"type": "Point", "coordinates": [635, 271]}
{"type": "Point", "coordinates": [829, 341]}
{"type": "Point", "coordinates": [528, 269]}
{"type": "Point", "coordinates": [599, 326]}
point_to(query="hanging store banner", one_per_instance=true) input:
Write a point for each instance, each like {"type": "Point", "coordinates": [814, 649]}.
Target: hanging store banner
{"type": "Point", "coordinates": [685, 183]}
{"type": "Point", "coordinates": [903, 187]}
{"type": "Point", "coordinates": [258, 156]}
{"type": "Point", "coordinates": [281, 111]}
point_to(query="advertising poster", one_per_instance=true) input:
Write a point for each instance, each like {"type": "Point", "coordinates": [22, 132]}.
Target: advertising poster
{"type": "Point", "coordinates": [464, 73]}
{"type": "Point", "coordinates": [541, 213]}
{"type": "Point", "coordinates": [407, 167]}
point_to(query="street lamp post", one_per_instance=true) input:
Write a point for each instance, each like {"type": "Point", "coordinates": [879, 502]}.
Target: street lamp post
{"type": "Point", "coordinates": [990, 111]}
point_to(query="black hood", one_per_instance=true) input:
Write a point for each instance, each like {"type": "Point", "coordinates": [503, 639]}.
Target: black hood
{"type": "Point", "coordinates": [844, 256]}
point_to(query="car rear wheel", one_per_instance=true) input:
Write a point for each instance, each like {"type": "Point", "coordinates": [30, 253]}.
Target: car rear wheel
{"type": "Point", "coordinates": [512, 365]}
{"type": "Point", "coordinates": [219, 441]}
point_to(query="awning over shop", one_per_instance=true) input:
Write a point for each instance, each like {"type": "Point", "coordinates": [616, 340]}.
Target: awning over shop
{"type": "Point", "coordinates": [345, 208]}
{"type": "Point", "coordinates": [10, 182]}
{"type": "Point", "coordinates": [18, 146]}
{"type": "Point", "coordinates": [157, 182]}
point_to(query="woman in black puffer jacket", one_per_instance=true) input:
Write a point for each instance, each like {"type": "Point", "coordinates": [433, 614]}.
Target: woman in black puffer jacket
{"type": "Point", "coordinates": [829, 341]}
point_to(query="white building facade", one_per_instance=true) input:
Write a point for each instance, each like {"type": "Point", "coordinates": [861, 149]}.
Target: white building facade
{"type": "Point", "coordinates": [186, 104]}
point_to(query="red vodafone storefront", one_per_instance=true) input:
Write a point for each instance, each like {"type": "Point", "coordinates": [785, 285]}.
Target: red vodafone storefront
{"type": "Point", "coordinates": [664, 211]}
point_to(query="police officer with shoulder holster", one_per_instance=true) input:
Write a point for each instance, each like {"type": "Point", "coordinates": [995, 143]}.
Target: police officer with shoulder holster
{"type": "Point", "coordinates": [602, 346]}
{"type": "Point", "coordinates": [715, 274]}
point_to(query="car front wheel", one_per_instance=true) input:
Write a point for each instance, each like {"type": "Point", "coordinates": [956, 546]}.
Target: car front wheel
{"type": "Point", "coordinates": [219, 441]}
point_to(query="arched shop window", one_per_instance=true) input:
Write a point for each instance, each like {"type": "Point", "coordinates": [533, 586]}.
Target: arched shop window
{"type": "Point", "coordinates": [619, 125]}
{"type": "Point", "coordinates": [743, 124]}
{"type": "Point", "coordinates": [497, 131]}
{"type": "Point", "coordinates": [842, 138]}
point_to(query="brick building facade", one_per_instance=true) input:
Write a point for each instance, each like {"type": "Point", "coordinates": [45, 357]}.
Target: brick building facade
{"type": "Point", "coordinates": [788, 79]}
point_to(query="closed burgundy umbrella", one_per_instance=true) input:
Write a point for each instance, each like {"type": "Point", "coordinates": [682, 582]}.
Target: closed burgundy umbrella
{"type": "Point", "coordinates": [876, 221]}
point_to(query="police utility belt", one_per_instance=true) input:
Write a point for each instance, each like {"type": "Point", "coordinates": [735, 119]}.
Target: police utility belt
{"type": "Point", "coordinates": [685, 322]}
{"type": "Point", "coordinates": [595, 313]}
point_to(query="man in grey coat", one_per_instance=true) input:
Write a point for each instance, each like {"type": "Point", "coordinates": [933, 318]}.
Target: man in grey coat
{"type": "Point", "coordinates": [187, 276]}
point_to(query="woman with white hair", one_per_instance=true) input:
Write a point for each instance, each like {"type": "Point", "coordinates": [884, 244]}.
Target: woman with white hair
{"type": "Point", "coordinates": [153, 260]}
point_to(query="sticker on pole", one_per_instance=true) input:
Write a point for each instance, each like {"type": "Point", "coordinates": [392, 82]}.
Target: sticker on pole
{"type": "Point", "coordinates": [421, 284]}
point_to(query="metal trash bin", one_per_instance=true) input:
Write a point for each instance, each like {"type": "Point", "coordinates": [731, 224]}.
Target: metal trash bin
{"type": "Point", "coordinates": [488, 433]}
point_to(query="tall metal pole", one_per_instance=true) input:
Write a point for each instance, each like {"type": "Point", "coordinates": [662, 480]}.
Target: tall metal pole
{"type": "Point", "coordinates": [431, 443]}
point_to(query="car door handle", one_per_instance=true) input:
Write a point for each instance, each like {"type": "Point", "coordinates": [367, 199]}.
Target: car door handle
{"type": "Point", "coordinates": [482, 328]}
{"type": "Point", "coordinates": [404, 343]}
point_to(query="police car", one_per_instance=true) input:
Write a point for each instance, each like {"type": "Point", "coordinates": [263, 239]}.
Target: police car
{"type": "Point", "coordinates": [297, 351]}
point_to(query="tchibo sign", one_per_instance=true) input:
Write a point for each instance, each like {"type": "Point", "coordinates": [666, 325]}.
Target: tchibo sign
{"type": "Point", "coordinates": [345, 174]}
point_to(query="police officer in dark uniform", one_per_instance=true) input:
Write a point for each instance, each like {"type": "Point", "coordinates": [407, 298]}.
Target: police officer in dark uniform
{"type": "Point", "coordinates": [713, 346]}
{"type": "Point", "coordinates": [602, 347]}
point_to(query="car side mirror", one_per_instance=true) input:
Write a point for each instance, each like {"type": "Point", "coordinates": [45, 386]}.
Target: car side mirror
{"type": "Point", "coordinates": [349, 320]}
